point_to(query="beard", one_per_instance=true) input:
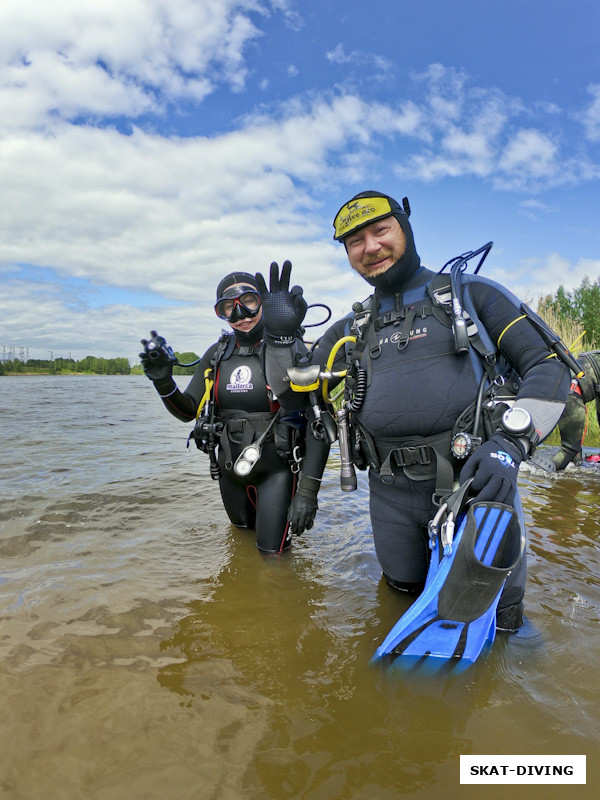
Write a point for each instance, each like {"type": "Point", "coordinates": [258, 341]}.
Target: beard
{"type": "Point", "coordinates": [365, 269]}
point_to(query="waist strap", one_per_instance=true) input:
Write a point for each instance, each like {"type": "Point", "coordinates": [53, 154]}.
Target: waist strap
{"type": "Point", "coordinates": [241, 428]}
{"type": "Point", "coordinates": [420, 458]}
{"type": "Point", "coordinates": [237, 419]}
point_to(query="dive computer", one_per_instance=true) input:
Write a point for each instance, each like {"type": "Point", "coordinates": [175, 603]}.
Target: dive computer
{"type": "Point", "coordinates": [517, 422]}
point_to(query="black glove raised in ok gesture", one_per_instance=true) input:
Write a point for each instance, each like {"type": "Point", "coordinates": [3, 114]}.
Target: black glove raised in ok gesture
{"type": "Point", "coordinates": [284, 309]}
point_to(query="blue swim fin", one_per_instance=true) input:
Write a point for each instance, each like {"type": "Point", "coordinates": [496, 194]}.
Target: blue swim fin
{"type": "Point", "coordinates": [454, 618]}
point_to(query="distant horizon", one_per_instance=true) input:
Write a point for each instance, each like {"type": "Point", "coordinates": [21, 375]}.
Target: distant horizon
{"type": "Point", "coordinates": [132, 361]}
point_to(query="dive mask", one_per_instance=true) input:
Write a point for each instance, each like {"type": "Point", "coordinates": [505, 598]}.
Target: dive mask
{"type": "Point", "coordinates": [238, 302]}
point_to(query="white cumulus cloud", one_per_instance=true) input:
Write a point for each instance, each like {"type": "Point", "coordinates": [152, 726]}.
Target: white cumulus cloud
{"type": "Point", "coordinates": [108, 57]}
{"type": "Point", "coordinates": [591, 116]}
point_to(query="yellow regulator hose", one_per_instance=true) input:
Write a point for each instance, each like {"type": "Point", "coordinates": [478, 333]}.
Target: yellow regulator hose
{"type": "Point", "coordinates": [325, 388]}
{"type": "Point", "coordinates": [205, 397]}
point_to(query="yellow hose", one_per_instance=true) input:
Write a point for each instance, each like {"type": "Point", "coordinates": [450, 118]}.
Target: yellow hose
{"type": "Point", "coordinates": [331, 399]}
{"type": "Point", "coordinates": [577, 345]}
{"type": "Point", "coordinates": [208, 386]}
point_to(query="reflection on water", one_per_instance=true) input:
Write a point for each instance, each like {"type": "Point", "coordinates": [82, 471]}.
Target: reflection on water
{"type": "Point", "coordinates": [147, 649]}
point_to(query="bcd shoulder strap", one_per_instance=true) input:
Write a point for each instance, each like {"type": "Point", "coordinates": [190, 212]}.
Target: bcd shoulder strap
{"type": "Point", "coordinates": [225, 347]}
{"type": "Point", "coordinates": [439, 290]}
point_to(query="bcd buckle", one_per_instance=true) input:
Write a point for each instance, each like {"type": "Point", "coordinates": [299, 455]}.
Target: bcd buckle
{"type": "Point", "coordinates": [412, 454]}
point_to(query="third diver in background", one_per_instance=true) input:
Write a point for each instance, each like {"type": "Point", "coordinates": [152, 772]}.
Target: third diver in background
{"type": "Point", "coordinates": [573, 422]}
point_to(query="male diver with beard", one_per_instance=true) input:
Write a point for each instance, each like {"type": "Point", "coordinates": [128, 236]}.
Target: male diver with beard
{"type": "Point", "coordinates": [430, 355]}
{"type": "Point", "coordinates": [256, 449]}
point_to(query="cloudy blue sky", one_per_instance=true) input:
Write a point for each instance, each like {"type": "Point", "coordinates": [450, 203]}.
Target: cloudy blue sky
{"type": "Point", "coordinates": [148, 147]}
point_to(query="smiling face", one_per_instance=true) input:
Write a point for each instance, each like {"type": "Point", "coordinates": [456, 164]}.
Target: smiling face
{"type": "Point", "coordinates": [372, 250]}
{"type": "Point", "coordinates": [247, 323]}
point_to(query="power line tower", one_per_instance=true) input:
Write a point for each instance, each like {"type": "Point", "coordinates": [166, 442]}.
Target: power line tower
{"type": "Point", "coordinates": [9, 352]}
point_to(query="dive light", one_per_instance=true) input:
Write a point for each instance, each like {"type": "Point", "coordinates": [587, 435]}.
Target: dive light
{"type": "Point", "coordinates": [347, 471]}
{"type": "Point", "coordinates": [250, 455]}
{"type": "Point", "coordinates": [246, 460]}
{"type": "Point", "coordinates": [157, 348]}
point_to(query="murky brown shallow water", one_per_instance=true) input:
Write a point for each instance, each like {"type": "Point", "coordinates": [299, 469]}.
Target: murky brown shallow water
{"type": "Point", "coordinates": [148, 651]}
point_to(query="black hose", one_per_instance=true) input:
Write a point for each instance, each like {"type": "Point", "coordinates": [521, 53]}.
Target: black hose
{"type": "Point", "coordinates": [191, 364]}
{"type": "Point", "coordinates": [360, 391]}
{"type": "Point", "coordinates": [477, 417]}
{"type": "Point", "coordinates": [318, 324]}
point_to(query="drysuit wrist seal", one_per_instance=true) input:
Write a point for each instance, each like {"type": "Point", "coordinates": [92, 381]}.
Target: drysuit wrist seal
{"type": "Point", "coordinates": [307, 486]}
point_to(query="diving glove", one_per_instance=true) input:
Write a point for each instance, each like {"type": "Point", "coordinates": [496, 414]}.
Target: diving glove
{"type": "Point", "coordinates": [304, 506]}
{"type": "Point", "coordinates": [284, 309]}
{"type": "Point", "coordinates": [157, 358]}
{"type": "Point", "coordinates": [494, 467]}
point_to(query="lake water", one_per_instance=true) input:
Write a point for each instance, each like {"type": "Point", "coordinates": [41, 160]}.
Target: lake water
{"type": "Point", "coordinates": [148, 651]}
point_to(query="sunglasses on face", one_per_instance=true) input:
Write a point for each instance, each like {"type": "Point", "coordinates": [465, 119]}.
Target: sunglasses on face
{"type": "Point", "coordinates": [248, 301]}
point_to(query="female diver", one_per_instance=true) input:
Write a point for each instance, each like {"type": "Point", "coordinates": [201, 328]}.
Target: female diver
{"type": "Point", "coordinates": [256, 449]}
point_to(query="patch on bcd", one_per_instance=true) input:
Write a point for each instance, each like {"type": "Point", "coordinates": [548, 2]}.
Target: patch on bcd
{"type": "Point", "coordinates": [240, 380]}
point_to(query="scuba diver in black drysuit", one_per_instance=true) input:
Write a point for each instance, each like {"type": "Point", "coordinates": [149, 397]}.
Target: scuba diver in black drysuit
{"type": "Point", "coordinates": [431, 354]}
{"type": "Point", "coordinates": [573, 422]}
{"type": "Point", "coordinates": [262, 489]}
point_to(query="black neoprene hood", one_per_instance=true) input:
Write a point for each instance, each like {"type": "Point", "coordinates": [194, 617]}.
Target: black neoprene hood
{"type": "Point", "coordinates": [235, 277]}
{"type": "Point", "coordinates": [366, 208]}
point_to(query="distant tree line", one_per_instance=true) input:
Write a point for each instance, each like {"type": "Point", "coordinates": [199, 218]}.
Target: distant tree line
{"type": "Point", "coordinates": [569, 313]}
{"type": "Point", "coordinates": [64, 366]}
